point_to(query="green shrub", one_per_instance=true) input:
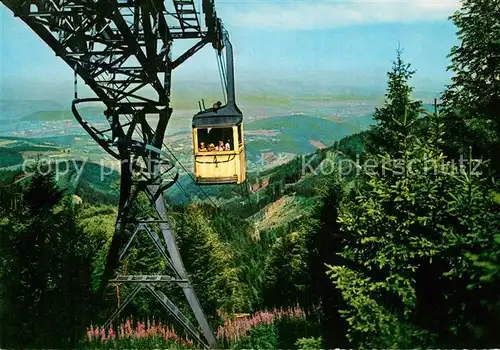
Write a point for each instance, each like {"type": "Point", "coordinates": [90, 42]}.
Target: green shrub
{"type": "Point", "coordinates": [262, 337]}
{"type": "Point", "coordinates": [309, 343]}
{"type": "Point", "coordinates": [289, 329]}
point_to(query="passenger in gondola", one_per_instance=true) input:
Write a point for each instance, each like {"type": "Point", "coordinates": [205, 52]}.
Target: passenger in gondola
{"type": "Point", "coordinates": [221, 146]}
{"type": "Point", "coordinates": [202, 147]}
{"type": "Point", "coordinates": [228, 146]}
{"type": "Point", "coordinates": [216, 106]}
{"type": "Point", "coordinates": [211, 147]}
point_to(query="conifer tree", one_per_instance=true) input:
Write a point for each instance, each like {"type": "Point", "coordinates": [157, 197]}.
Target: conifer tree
{"type": "Point", "coordinates": [384, 135]}
{"type": "Point", "coordinates": [473, 98]}
{"type": "Point", "coordinates": [385, 229]}
{"type": "Point", "coordinates": [405, 280]}
{"type": "Point", "coordinates": [45, 276]}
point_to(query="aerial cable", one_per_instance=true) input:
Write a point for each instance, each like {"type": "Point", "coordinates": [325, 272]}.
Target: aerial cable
{"type": "Point", "coordinates": [189, 174]}
{"type": "Point", "coordinates": [223, 64]}
{"type": "Point", "coordinates": [170, 174]}
{"type": "Point", "coordinates": [223, 59]}
{"type": "Point", "coordinates": [224, 77]}
{"type": "Point", "coordinates": [221, 76]}
{"type": "Point", "coordinates": [182, 166]}
{"type": "Point", "coordinates": [185, 170]}
{"type": "Point", "coordinates": [172, 177]}
{"type": "Point", "coordinates": [76, 81]}
{"type": "Point", "coordinates": [223, 70]}
{"type": "Point", "coordinates": [184, 192]}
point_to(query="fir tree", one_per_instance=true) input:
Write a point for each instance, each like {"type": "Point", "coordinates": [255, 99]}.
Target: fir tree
{"type": "Point", "coordinates": [405, 234]}
{"type": "Point", "coordinates": [472, 99]}
{"type": "Point", "coordinates": [45, 276]}
{"type": "Point", "coordinates": [384, 135]}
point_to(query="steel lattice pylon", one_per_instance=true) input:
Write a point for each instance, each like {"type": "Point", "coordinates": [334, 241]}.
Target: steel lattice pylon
{"type": "Point", "coordinates": [122, 51]}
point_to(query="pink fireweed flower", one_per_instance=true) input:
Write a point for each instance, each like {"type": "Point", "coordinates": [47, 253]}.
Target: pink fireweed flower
{"type": "Point", "coordinates": [102, 334]}
{"type": "Point", "coordinates": [111, 332]}
{"type": "Point", "coordinates": [90, 333]}
{"type": "Point", "coordinates": [233, 329]}
{"type": "Point", "coordinates": [121, 331]}
{"type": "Point", "coordinates": [142, 329]}
{"type": "Point", "coordinates": [128, 328]}
{"type": "Point", "coordinates": [96, 332]}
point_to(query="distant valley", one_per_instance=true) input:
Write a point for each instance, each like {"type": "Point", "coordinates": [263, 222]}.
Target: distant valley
{"type": "Point", "coordinates": [277, 126]}
{"type": "Point", "coordinates": [276, 131]}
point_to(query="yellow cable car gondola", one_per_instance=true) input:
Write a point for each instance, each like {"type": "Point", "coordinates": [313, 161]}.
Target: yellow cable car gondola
{"type": "Point", "coordinates": [218, 143]}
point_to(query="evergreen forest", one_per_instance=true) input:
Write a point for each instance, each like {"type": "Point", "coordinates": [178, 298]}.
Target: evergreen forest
{"type": "Point", "coordinates": [389, 238]}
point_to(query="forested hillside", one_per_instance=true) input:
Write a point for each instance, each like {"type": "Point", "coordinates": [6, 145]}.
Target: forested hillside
{"type": "Point", "coordinates": [390, 238]}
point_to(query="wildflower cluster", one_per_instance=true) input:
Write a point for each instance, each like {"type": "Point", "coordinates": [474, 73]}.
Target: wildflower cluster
{"type": "Point", "coordinates": [149, 332]}
{"type": "Point", "coordinates": [235, 328]}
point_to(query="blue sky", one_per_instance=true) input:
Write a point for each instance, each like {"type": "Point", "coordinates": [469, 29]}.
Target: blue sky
{"type": "Point", "coordinates": [341, 42]}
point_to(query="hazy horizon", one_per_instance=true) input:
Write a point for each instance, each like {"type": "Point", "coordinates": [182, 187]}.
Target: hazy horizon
{"type": "Point", "coordinates": [325, 46]}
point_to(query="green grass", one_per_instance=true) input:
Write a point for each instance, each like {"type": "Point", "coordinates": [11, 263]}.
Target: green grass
{"type": "Point", "coordinates": [283, 211]}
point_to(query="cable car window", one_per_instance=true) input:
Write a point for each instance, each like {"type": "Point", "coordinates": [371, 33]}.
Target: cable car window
{"type": "Point", "coordinates": [215, 139]}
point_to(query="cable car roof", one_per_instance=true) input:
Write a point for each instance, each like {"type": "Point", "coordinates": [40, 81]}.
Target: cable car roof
{"type": "Point", "coordinates": [223, 117]}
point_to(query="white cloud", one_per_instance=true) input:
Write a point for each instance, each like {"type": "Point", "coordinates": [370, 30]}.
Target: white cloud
{"type": "Point", "coordinates": [322, 14]}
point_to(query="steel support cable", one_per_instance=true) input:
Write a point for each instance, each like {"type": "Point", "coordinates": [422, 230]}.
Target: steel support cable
{"type": "Point", "coordinates": [221, 70]}
{"type": "Point", "coordinates": [221, 75]}
{"type": "Point", "coordinates": [170, 174]}
{"type": "Point", "coordinates": [222, 58]}
{"type": "Point", "coordinates": [182, 166]}
{"type": "Point", "coordinates": [185, 170]}
{"type": "Point", "coordinates": [173, 155]}
{"type": "Point", "coordinates": [189, 174]}
{"type": "Point", "coordinates": [217, 209]}
{"type": "Point", "coordinates": [140, 136]}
